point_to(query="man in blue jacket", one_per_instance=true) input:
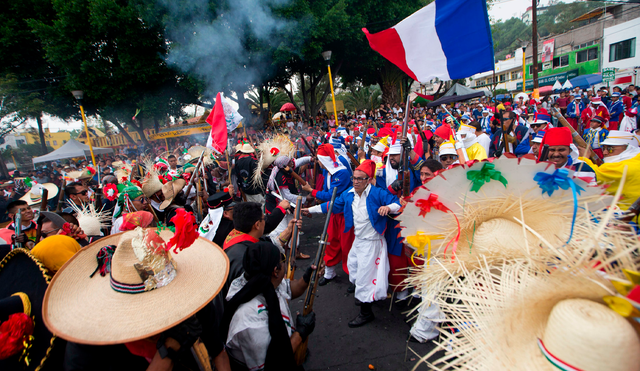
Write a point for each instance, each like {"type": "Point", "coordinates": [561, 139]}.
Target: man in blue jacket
{"type": "Point", "coordinates": [339, 243]}
{"type": "Point", "coordinates": [365, 209]}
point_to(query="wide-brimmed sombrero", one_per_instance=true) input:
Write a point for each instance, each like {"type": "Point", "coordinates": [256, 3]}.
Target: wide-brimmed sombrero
{"type": "Point", "coordinates": [278, 145]}
{"type": "Point", "coordinates": [20, 272]}
{"type": "Point", "coordinates": [89, 310]}
{"type": "Point", "coordinates": [34, 196]}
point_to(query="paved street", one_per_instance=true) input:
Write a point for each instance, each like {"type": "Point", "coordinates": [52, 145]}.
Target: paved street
{"type": "Point", "coordinates": [333, 345]}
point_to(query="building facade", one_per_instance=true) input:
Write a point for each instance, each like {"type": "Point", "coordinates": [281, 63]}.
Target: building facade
{"type": "Point", "coordinates": [619, 44]}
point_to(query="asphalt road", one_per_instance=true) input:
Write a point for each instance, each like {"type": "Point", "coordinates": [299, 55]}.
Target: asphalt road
{"type": "Point", "coordinates": [333, 345]}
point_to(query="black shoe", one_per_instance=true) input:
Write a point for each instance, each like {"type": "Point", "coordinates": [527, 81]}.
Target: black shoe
{"type": "Point", "coordinates": [361, 320]}
{"type": "Point", "coordinates": [358, 303]}
{"type": "Point", "coordinates": [351, 289]}
{"type": "Point", "coordinates": [323, 281]}
{"type": "Point", "coordinates": [414, 340]}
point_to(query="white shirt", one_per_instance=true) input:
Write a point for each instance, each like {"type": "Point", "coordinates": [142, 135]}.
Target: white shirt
{"type": "Point", "coordinates": [485, 141]}
{"type": "Point", "coordinates": [363, 228]}
{"type": "Point", "coordinates": [249, 336]}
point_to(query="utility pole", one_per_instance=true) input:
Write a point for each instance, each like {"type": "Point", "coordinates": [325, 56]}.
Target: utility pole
{"type": "Point", "coordinates": [534, 35]}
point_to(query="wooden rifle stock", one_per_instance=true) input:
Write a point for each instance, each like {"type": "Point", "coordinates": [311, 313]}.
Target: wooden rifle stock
{"type": "Point", "coordinates": [406, 175]}
{"type": "Point", "coordinates": [425, 142]}
{"type": "Point", "coordinates": [353, 159]}
{"type": "Point", "coordinates": [196, 171]}
{"type": "Point", "coordinates": [544, 154]}
{"type": "Point", "coordinates": [291, 267]}
{"type": "Point", "coordinates": [43, 207]}
{"type": "Point", "coordinates": [576, 136]}
{"type": "Point", "coordinates": [310, 296]}
{"type": "Point", "coordinates": [63, 185]}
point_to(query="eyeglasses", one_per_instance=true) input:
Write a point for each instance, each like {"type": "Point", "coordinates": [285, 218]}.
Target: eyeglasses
{"type": "Point", "coordinates": [608, 149]}
{"type": "Point", "coordinates": [356, 179]}
{"type": "Point", "coordinates": [448, 157]}
{"type": "Point", "coordinates": [84, 193]}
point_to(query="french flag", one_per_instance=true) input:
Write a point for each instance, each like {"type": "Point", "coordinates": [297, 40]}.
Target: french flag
{"type": "Point", "coordinates": [447, 39]}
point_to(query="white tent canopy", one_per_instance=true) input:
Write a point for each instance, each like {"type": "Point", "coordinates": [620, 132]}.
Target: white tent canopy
{"type": "Point", "coordinates": [72, 148]}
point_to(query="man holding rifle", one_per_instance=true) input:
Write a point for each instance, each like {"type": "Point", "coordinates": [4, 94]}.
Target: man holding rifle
{"type": "Point", "coordinates": [365, 209]}
{"type": "Point", "coordinates": [339, 243]}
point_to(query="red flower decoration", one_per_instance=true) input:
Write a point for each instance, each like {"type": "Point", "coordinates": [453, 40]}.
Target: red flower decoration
{"type": "Point", "coordinates": [274, 151]}
{"type": "Point", "coordinates": [186, 230]}
{"type": "Point", "coordinates": [136, 182]}
{"type": "Point", "coordinates": [110, 191]}
{"type": "Point", "coordinates": [91, 170]}
{"type": "Point", "coordinates": [432, 202]}
{"type": "Point", "coordinates": [14, 332]}
{"type": "Point", "coordinates": [186, 176]}
{"type": "Point", "coordinates": [66, 231]}
{"type": "Point", "coordinates": [123, 179]}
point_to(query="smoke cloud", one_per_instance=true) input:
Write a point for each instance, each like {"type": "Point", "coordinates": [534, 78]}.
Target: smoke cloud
{"type": "Point", "coordinates": [229, 47]}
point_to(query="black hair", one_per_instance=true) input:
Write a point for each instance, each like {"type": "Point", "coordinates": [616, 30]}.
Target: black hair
{"type": "Point", "coordinates": [476, 125]}
{"type": "Point", "coordinates": [432, 164]}
{"type": "Point", "coordinates": [170, 157]}
{"type": "Point", "coordinates": [245, 215]}
{"type": "Point", "coordinates": [11, 208]}
{"type": "Point", "coordinates": [69, 218]}
{"type": "Point", "coordinates": [71, 188]}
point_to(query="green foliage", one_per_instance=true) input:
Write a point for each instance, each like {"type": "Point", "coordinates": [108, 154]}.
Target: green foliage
{"type": "Point", "coordinates": [358, 97]}
{"type": "Point", "coordinates": [24, 153]}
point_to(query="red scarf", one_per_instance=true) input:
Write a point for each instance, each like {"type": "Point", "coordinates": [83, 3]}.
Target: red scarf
{"type": "Point", "coordinates": [236, 237]}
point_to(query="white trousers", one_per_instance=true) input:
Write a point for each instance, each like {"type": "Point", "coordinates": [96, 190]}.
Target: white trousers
{"type": "Point", "coordinates": [368, 265]}
{"type": "Point", "coordinates": [426, 326]}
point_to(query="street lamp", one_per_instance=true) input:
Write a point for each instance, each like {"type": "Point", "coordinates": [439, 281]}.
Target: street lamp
{"type": "Point", "coordinates": [327, 57]}
{"type": "Point", "coordinates": [79, 94]}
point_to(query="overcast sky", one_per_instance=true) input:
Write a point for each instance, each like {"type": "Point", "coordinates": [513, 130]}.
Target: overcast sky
{"type": "Point", "coordinates": [500, 10]}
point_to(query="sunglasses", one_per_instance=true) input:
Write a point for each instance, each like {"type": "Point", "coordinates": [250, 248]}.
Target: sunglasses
{"type": "Point", "coordinates": [50, 233]}
{"type": "Point", "coordinates": [356, 179]}
{"type": "Point", "coordinates": [84, 193]}
{"type": "Point", "coordinates": [448, 157]}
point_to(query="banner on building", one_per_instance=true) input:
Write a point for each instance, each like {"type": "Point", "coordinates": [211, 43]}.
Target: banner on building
{"type": "Point", "coordinates": [608, 74]}
{"type": "Point", "coordinates": [180, 132]}
{"type": "Point", "coordinates": [547, 50]}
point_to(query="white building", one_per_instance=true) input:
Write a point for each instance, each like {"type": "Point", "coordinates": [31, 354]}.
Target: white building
{"type": "Point", "coordinates": [508, 74]}
{"type": "Point", "coordinates": [619, 44]}
{"type": "Point", "coordinates": [12, 140]}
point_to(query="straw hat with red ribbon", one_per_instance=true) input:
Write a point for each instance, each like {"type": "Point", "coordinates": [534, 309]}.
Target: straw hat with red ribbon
{"type": "Point", "coordinates": [144, 282]}
{"type": "Point", "coordinates": [270, 149]}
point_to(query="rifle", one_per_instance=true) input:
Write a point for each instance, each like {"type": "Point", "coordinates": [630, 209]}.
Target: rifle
{"type": "Point", "coordinates": [193, 176]}
{"type": "Point", "coordinates": [405, 175]}
{"type": "Point", "coordinates": [43, 207]}
{"type": "Point", "coordinates": [63, 185]}
{"type": "Point", "coordinates": [310, 296]}
{"type": "Point", "coordinates": [291, 267]}
{"type": "Point", "coordinates": [315, 163]}
{"type": "Point", "coordinates": [425, 142]}
{"type": "Point", "coordinates": [353, 159]}
{"type": "Point", "coordinates": [576, 136]}
{"type": "Point", "coordinates": [17, 222]}
{"type": "Point", "coordinates": [544, 154]}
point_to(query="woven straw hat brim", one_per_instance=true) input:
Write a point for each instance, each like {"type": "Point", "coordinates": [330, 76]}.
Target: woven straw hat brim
{"type": "Point", "coordinates": [53, 192]}
{"type": "Point", "coordinates": [22, 272]}
{"type": "Point", "coordinates": [88, 311]}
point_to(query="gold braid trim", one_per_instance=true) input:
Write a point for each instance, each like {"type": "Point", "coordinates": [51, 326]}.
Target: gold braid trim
{"type": "Point", "coordinates": [26, 303]}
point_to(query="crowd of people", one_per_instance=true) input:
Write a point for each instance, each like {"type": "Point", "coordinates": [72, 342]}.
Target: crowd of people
{"type": "Point", "coordinates": [212, 233]}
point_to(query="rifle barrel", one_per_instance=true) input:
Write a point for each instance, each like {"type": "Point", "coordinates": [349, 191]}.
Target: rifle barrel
{"type": "Point", "coordinates": [291, 268]}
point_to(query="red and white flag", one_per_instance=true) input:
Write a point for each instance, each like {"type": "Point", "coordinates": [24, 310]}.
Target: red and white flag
{"type": "Point", "coordinates": [218, 138]}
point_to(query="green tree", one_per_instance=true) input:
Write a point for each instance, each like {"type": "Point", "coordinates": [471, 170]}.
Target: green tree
{"type": "Point", "coordinates": [107, 50]}
{"type": "Point", "coordinates": [358, 97]}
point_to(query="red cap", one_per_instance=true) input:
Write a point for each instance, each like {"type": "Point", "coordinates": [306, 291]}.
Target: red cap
{"type": "Point", "coordinates": [368, 167]}
{"type": "Point", "coordinates": [444, 131]}
{"type": "Point", "coordinates": [556, 137]}
{"type": "Point", "coordinates": [327, 150]}
{"type": "Point", "coordinates": [384, 132]}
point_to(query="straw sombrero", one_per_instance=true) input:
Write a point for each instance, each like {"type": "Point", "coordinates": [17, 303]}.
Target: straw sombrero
{"type": "Point", "coordinates": [22, 272]}
{"type": "Point", "coordinates": [500, 309]}
{"type": "Point", "coordinates": [170, 190]}
{"type": "Point", "coordinates": [151, 182]}
{"type": "Point", "coordinates": [508, 217]}
{"type": "Point", "coordinates": [34, 196]}
{"type": "Point", "coordinates": [279, 145]}
{"type": "Point", "coordinates": [89, 310]}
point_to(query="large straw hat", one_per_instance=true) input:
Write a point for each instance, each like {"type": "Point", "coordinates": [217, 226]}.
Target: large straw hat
{"type": "Point", "coordinates": [508, 217]}
{"type": "Point", "coordinates": [531, 318]}
{"type": "Point", "coordinates": [34, 196]}
{"type": "Point", "coordinates": [22, 272]}
{"type": "Point", "coordinates": [87, 310]}
{"type": "Point", "coordinates": [151, 182]}
{"type": "Point", "coordinates": [170, 190]}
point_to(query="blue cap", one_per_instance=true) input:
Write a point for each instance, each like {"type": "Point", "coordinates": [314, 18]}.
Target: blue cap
{"type": "Point", "coordinates": [615, 94]}
{"type": "Point", "coordinates": [538, 137]}
{"type": "Point", "coordinates": [577, 96]}
{"type": "Point", "coordinates": [465, 117]}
